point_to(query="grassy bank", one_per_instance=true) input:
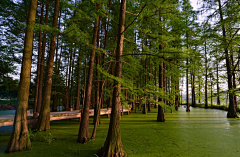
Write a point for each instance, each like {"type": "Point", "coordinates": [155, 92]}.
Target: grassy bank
{"type": "Point", "coordinates": [198, 133]}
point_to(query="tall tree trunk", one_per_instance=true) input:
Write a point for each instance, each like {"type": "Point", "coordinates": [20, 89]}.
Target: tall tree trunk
{"type": "Point", "coordinates": [155, 81]}
{"type": "Point", "coordinates": [187, 94]}
{"type": "Point", "coordinates": [211, 92]}
{"type": "Point", "coordinates": [42, 62]}
{"type": "Point", "coordinates": [96, 118]}
{"type": "Point", "coordinates": [78, 81]}
{"type": "Point", "coordinates": [113, 144]}
{"type": "Point", "coordinates": [161, 115]}
{"type": "Point", "coordinates": [44, 117]}
{"type": "Point", "coordinates": [69, 78]}
{"type": "Point", "coordinates": [39, 61]}
{"type": "Point", "coordinates": [83, 135]}
{"type": "Point", "coordinates": [199, 88]}
{"type": "Point", "coordinates": [144, 111]}
{"type": "Point", "coordinates": [85, 79]}
{"type": "Point", "coordinates": [193, 91]}
{"type": "Point", "coordinates": [232, 113]}
{"type": "Point", "coordinates": [20, 139]}
{"type": "Point", "coordinates": [55, 95]}
{"type": "Point", "coordinates": [177, 93]}
{"type": "Point", "coordinates": [206, 76]}
{"type": "Point", "coordinates": [218, 96]}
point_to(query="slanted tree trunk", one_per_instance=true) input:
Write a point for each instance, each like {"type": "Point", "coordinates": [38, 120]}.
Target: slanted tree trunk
{"type": "Point", "coordinates": [83, 135]}
{"type": "Point", "coordinates": [39, 61]}
{"type": "Point", "coordinates": [42, 62]}
{"type": "Point", "coordinates": [44, 117]}
{"type": "Point", "coordinates": [20, 139]}
{"type": "Point", "coordinates": [113, 144]}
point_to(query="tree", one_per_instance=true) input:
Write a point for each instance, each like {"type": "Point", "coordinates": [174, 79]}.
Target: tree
{"type": "Point", "coordinates": [83, 135]}
{"type": "Point", "coordinates": [113, 144]}
{"type": "Point", "coordinates": [44, 116]}
{"type": "Point", "coordinates": [19, 139]}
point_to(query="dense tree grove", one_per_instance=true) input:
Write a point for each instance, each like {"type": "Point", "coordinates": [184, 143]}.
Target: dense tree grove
{"type": "Point", "coordinates": [96, 54]}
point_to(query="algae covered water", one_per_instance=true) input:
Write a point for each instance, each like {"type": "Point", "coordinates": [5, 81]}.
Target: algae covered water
{"type": "Point", "coordinates": [199, 133]}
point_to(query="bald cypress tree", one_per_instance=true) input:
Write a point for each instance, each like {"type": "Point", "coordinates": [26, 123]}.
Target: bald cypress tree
{"type": "Point", "coordinates": [20, 139]}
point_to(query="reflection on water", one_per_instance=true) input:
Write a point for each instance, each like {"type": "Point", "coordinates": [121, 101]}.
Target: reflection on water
{"type": "Point", "coordinates": [10, 112]}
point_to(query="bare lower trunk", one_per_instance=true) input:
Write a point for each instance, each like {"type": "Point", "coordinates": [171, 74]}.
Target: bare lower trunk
{"type": "Point", "coordinates": [20, 139]}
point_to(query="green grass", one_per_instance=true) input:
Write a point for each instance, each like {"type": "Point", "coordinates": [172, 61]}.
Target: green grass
{"type": "Point", "coordinates": [200, 133]}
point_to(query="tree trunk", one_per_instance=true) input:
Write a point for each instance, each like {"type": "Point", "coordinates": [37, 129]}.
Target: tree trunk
{"type": "Point", "coordinates": [188, 107]}
{"type": "Point", "coordinates": [161, 115]}
{"type": "Point", "coordinates": [83, 135]}
{"type": "Point", "coordinates": [206, 75]}
{"type": "Point", "coordinates": [144, 111]}
{"type": "Point", "coordinates": [232, 103]}
{"type": "Point", "coordinates": [218, 96]}
{"type": "Point", "coordinates": [20, 139]}
{"type": "Point", "coordinates": [199, 86]}
{"type": "Point", "coordinates": [113, 144]}
{"type": "Point", "coordinates": [177, 94]}
{"type": "Point", "coordinates": [42, 62]}
{"type": "Point", "coordinates": [55, 95]}
{"type": "Point", "coordinates": [155, 79]}
{"type": "Point", "coordinates": [39, 61]}
{"type": "Point", "coordinates": [193, 91]}
{"type": "Point", "coordinates": [96, 118]}
{"type": "Point", "coordinates": [78, 82]}
{"type": "Point", "coordinates": [44, 117]}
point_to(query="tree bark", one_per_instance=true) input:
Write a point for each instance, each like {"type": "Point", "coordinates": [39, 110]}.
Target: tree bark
{"type": "Point", "coordinates": [206, 76]}
{"type": "Point", "coordinates": [20, 139]}
{"type": "Point", "coordinates": [39, 61]}
{"type": "Point", "coordinates": [83, 135]}
{"type": "Point", "coordinates": [55, 95]}
{"type": "Point", "coordinates": [42, 61]}
{"type": "Point", "coordinates": [193, 91]}
{"type": "Point", "coordinates": [78, 82]}
{"type": "Point", "coordinates": [232, 113]}
{"type": "Point", "coordinates": [161, 115]}
{"type": "Point", "coordinates": [113, 144]}
{"type": "Point", "coordinates": [44, 117]}
{"type": "Point", "coordinates": [218, 96]}
{"type": "Point", "coordinates": [187, 94]}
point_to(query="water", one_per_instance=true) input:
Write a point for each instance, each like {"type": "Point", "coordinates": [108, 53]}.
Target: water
{"type": "Point", "coordinates": [10, 112]}
{"type": "Point", "coordinates": [5, 129]}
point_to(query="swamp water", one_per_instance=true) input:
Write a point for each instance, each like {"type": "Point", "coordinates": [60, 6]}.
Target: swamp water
{"type": "Point", "coordinates": [199, 133]}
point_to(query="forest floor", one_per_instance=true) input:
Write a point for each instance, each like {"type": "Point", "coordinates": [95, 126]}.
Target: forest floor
{"type": "Point", "coordinates": [200, 133]}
